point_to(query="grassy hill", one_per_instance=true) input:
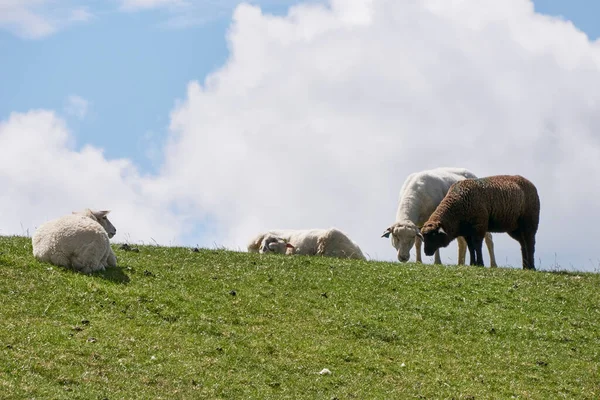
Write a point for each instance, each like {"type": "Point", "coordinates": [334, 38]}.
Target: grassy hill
{"type": "Point", "coordinates": [171, 323]}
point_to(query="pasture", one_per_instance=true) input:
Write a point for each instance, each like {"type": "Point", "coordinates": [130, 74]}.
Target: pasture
{"type": "Point", "coordinates": [172, 323]}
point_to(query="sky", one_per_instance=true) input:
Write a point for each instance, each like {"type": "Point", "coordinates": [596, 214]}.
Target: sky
{"type": "Point", "coordinates": [204, 122]}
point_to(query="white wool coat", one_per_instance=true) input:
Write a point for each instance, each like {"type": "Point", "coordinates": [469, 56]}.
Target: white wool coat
{"type": "Point", "coordinates": [325, 242]}
{"type": "Point", "coordinates": [75, 241]}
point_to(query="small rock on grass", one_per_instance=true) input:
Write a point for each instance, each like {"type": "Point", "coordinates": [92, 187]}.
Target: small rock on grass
{"type": "Point", "coordinates": [127, 247]}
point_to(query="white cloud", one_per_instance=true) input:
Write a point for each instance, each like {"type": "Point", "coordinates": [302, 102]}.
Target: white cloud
{"type": "Point", "coordinates": [77, 106]}
{"type": "Point", "coordinates": [134, 5]}
{"type": "Point", "coordinates": [318, 117]}
{"type": "Point", "coordinates": [44, 176]}
{"type": "Point", "coordinates": [185, 13]}
{"type": "Point", "coordinates": [34, 19]}
{"type": "Point", "coordinates": [80, 14]}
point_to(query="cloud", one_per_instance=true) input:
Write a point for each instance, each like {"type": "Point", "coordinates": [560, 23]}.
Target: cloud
{"type": "Point", "coordinates": [181, 14]}
{"type": "Point", "coordinates": [77, 106]}
{"type": "Point", "coordinates": [135, 5]}
{"type": "Point", "coordinates": [34, 19]}
{"type": "Point", "coordinates": [45, 176]}
{"type": "Point", "coordinates": [80, 14]}
{"type": "Point", "coordinates": [318, 117]}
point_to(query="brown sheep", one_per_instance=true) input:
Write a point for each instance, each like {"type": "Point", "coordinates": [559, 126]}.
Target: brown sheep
{"type": "Point", "coordinates": [472, 207]}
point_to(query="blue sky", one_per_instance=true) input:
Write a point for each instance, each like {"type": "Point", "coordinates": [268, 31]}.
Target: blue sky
{"type": "Point", "coordinates": [131, 67]}
{"type": "Point", "coordinates": [583, 13]}
{"type": "Point", "coordinates": [311, 108]}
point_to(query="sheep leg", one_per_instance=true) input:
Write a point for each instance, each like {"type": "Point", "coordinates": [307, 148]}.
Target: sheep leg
{"type": "Point", "coordinates": [479, 251]}
{"type": "Point", "coordinates": [490, 246]}
{"type": "Point", "coordinates": [475, 244]}
{"type": "Point", "coordinates": [528, 258]}
{"type": "Point", "coordinates": [525, 255]}
{"type": "Point", "coordinates": [436, 258]}
{"type": "Point", "coordinates": [462, 250]}
{"type": "Point", "coordinates": [112, 258]}
{"type": "Point", "coordinates": [527, 243]}
{"type": "Point", "coordinates": [469, 240]}
{"type": "Point", "coordinates": [418, 243]}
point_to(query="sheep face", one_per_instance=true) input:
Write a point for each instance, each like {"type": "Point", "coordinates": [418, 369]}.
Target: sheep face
{"type": "Point", "coordinates": [403, 238]}
{"type": "Point", "coordinates": [106, 224]}
{"type": "Point", "coordinates": [434, 237]}
{"type": "Point", "coordinates": [273, 244]}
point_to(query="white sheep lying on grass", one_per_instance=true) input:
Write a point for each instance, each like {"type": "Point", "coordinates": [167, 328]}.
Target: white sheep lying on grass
{"type": "Point", "coordinates": [79, 241]}
{"type": "Point", "coordinates": [322, 242]}
{"type": "Point", "coordinates": [419, 196]}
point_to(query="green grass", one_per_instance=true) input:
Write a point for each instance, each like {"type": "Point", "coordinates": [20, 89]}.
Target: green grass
{"type": "Point", "coordinates": [166, 324]}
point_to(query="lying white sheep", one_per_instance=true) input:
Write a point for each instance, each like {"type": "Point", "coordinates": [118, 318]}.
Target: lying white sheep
{"type": "Point", "coordinates": [419, 196]}
{"type": "Point", "coordinates": [79, 241]}
{"type": "Point", "coordinates": [323, 242]}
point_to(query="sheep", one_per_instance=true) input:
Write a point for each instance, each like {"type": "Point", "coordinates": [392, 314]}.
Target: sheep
{"type": "Point", "coordinates": [472, 207]}
{"type": "Point", "coordinates": [419, 196]}
{"type": "Point", "coordinates": [79, 241]}
{"type": "Point", "coordinates": [323, 242]}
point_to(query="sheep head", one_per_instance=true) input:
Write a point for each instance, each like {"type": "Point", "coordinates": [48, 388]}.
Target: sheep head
{"type": "Point", "coordinates": [274, 244]}
{"type": "Point", "coordinates": [101, 218]}
{"type": "Point", "coordinates": [434, 237]}
{"type": "Point", "coordinates": [403, 236]}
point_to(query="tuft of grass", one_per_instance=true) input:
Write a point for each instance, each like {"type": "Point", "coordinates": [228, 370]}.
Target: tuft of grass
{"type": "Point", "coordinates": [173, 323]}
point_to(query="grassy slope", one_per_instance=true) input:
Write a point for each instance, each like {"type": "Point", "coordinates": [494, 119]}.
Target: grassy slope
{"type": "Point", "coordinates": [166, 324]}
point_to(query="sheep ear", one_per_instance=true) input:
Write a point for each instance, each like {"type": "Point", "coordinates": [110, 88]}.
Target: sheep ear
{"type": "Point", "coordinates": [387, 232]}
{"type": "Point", "coordinates": [100, 214]}
{"type": "Point", "coordinates": [420, 235]}
{"type": "Point", "coordinates": [441, 231]}
{"type": "Point", "coordinates": [289, 246]}
{"type": "Point", "coordinates": [87, 213]}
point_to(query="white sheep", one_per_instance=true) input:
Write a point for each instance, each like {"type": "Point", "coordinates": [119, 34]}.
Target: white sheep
{"type": "Point", "coordinates": [79, 241]}
{"type": "Point", "coordinates": [323, 242]}
{"type": "Point", "coordinates": [419, 196]}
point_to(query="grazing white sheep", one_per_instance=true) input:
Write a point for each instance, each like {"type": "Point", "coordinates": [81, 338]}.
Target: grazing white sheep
{"type": "Point", "coordinates": [323, 242]}
{"type": "Point", "coordinates": [472, 207]}
{"type": "Point", "coordinates": [79, 241]}
{"type": "Point", "coordinates": [419, 196]}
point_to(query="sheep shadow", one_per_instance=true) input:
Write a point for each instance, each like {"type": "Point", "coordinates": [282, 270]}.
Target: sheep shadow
{"type": "Point", "coordinates": [114, 274]}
